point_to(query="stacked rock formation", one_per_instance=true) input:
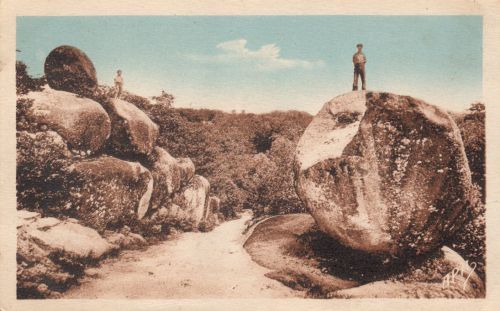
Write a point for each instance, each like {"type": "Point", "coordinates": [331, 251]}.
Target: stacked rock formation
{"type": "Point", "coordinates": [98, 162]}
{"type": "Point", "coordinates": [97, 141]}
{"type": "Point", "coordinates": [384, 173]}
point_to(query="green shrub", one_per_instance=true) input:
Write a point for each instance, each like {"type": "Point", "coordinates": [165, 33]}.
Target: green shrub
{"type": "Point", "coordinates": [472, 128]}
{"type": "Point", "coordinates": [24, 82]}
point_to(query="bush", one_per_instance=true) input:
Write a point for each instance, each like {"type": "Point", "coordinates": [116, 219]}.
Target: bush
{"type": "Point", "coordinates": [470, 240]}
{"type": "Point", "coordinates": [24, 82]}
{"type": "Point", "coordinates": [246, 157]}
{"type": "Point", "coordinates": [472, 128]}
{"type": "Point", "coordinates": [42, 181]}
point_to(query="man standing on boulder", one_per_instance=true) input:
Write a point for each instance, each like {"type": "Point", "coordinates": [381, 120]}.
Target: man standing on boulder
{"type": "Point", "coordinates": [118, 83]}
{"type": "Point", "coordinates": [359, 61]}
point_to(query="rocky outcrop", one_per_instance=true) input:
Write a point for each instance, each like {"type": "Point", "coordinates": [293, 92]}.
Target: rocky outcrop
{"type": "Point", "coordinates": [112, 192]}
{"type": "Point", "coordinates": [472, 127]}
{"type": "Point", "coordinates": [82, 122]}
{"type": "Point", "coordinates": [384, 173]}
{"type": "Point", "coordinates": [69, 69]}
{"type": "Point", "coordinates": [304, 258]}
{"type": "Point", "coordinates": [51, 253]}
{"type": "Point", "coordinates": [133, 132]}
{"type": "Point", "coordinates": [192, 199]}
{"type": "Point", "coordinates": [96, 161]}
{"type": "Point", "coordinates": [169, 175]}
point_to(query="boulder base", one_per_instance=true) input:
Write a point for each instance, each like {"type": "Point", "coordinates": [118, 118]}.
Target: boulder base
{"type": "Point", "coordinates": [304, 258]}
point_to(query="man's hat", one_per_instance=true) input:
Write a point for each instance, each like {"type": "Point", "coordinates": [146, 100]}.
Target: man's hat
{"type": "Point", "coordinates": [359, 45]}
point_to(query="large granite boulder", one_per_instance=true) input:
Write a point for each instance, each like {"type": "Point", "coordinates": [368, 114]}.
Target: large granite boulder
{"type": "Point", "coordinates": [192, 199]}
{"type": "Point", "coordinates": [132, 132]}
{"type": "Point", "coordinates": [69, 69]}
{"type": "Point", "coordinates": [384, 173]}
{"type": "Point", "coordinates": [169, 174]}
{"type": "Point", "coordinates": [110, 193]}
{"type": "Point", "coordinates": [82, 122]}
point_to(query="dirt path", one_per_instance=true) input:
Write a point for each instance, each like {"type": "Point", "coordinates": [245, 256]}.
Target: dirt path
{"type": "Point", "coordinates": [196, 265]}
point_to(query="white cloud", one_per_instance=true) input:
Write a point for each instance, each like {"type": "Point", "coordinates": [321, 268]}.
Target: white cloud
{"type": "Point", "coordinates": [266, 58]}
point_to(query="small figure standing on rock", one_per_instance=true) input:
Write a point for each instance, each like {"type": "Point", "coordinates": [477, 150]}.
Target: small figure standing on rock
{"type": "Point", "coordinates": [118, 83]}
{"type": "Point", "coordinates": [359, 60]}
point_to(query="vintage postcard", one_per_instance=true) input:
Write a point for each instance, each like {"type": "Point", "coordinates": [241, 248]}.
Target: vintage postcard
{"type": "Point", "coordinates": [249, 155]}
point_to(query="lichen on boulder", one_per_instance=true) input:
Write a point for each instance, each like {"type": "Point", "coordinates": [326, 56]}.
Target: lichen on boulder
{"type": "Point", "coordinates": [169, 174]}
{"type": "Point", "coordinates": [82, 122]}
{"type": "Point", "coordinates": [112, 192]}
{"type": "Point", "coordinates": [384, 173]}
{"type": "Point", "coordinates": [192, 199]}
{"type": "Point", "coordinates": [132, 131]}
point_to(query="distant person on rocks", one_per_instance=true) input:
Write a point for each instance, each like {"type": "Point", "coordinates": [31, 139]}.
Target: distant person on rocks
{"type": "Point", "coordinates": [118, 83]}
{"type": "Point", "coordinates": [359, 60]}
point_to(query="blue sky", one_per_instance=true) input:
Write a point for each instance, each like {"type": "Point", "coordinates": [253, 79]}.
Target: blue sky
{"type": "Point", "coordinates": [264, 63]}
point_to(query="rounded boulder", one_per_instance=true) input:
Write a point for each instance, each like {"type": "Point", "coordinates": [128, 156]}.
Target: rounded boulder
{"type": "Point", "coordinates": [67, 68]}
{"type": "Point", "coordinates": [133, 133]}
{"type": "Point", "coordinates": [384, 173]}
{"type": "Point", "coordinates": [82, 122]}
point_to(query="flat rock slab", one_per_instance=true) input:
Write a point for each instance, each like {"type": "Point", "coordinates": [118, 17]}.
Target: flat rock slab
{"type": "Point", "coordinates": [304, 258]}
{"type": "Point", "coordinates": [73, 239]}
{"type": "Point", "coordinates": [51, 253]}
{"type": "Point", "coordinates": [69, 238]}
{"type": "Point", "coordinates": [274, 244]}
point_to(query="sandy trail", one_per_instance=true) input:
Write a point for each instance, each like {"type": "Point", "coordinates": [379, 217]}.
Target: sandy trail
{"type": "Point", "coordinates": [195, 265]}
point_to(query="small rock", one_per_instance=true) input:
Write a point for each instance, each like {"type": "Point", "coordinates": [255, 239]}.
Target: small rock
{"type": "Point", "coordinates": [42, 288]}
{"type": "Point", "coordinates": [55, 295]}
{"type": "Point", "coordinates": [92, 272]}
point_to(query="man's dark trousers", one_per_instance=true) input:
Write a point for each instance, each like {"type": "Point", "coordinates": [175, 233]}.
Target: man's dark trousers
{"type": "Point", "coordinates": [359, 70]}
